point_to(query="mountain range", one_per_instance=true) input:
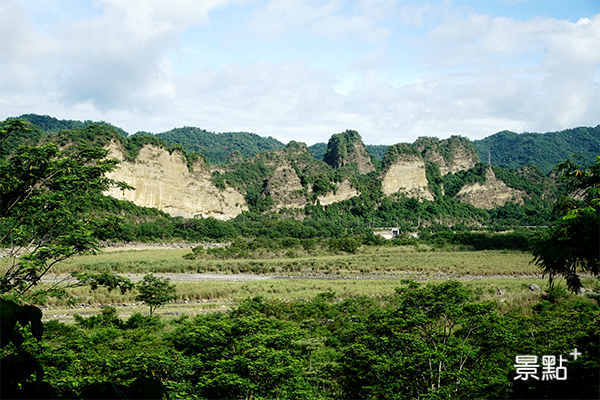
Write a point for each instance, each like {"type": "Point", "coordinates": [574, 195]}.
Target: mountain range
{"type": "Point", "coordinates": [430, 180]}
{"type": "Point", "coordinates": [505, 149]}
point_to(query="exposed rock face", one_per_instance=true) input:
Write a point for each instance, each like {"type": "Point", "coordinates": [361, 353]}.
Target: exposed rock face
{"type": "Point", "coordinates": [163, 181]}
{"type": "Point", "coordinates": [451, 155]}
{"type": "Point", "coordinates": [492, 193]}
{"type": "Point", "coordinates": [344, 191]}
{"type": "Point", "coordinates": [347, 148]}
{"type": "Point", "coordinates": [406, 174]}
{"type": "Point", "coordinates": [285, 188]}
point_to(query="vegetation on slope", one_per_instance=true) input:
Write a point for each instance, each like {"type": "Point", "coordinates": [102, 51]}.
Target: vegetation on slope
{"type": "Point", "coordinates": [511, 150]}
{"type": "Point", "coordinates": [217, 147]}
{"type": "Point", "coordinates": [50, 125]}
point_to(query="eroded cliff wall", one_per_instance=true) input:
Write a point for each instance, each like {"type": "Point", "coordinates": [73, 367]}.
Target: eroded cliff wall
{"type": "Point", "coordinates": [344, 191]}
{"type": "Point", "coordinates": [163, 181]}
{"type": "Point", "coordinates": [406, 175]}
{"type": "Point", "coordinates": [454, 154]}
{"type": "Point", "coordinates": [491, 194]}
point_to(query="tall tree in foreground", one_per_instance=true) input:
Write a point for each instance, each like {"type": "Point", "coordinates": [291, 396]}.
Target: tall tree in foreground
{"type": "Point", "coordinates": [43, 192]}
{"type": "Point", "coordinates": [43, 219]}
{"type": "Point", "coordinates": [572, 244]}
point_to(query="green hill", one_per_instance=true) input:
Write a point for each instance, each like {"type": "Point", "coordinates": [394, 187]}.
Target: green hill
{"type": "Point", "coordinates": [218, 147]}
{"type": "Point", "coordinates": [51, 125]}
{"type": "Point", "coordinates": [545, 150]}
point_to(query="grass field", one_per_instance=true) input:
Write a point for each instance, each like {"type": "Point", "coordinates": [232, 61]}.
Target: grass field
{"type": "Point", "coordinates": [371, 260]}
{"type": "Point", "coordinates": [374, 272]}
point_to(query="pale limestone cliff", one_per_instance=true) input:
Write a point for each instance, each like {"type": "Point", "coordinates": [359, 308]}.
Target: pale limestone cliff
{"type": "Point", "coordinates": [344, 191]}
{"type": "Point", "coordinates": [406, 175]}
{"type": "Point", "coordinates": [163, 181]}
{"type": "Point", "coordinates": [454, 154]}
{"type": "Point", "coordinates": [285, 188]}
{"type": "Point", "coordinates": [491, 194]}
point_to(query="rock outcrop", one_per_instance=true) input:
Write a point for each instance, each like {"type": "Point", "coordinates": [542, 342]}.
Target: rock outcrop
{"type": "Point", "coordinates": [163, 181]}
{"type": "Point", "coordinates": [404, 172]}
{"type": "Point", "coordinates": [491, 194]}
{"type": "Point", "coordinates": [344, 191]}
{"type": "Point", "coordinates": [285, 187]}
{"type": "Point", "coordinates": [347, 148]}
{"type": "Point", "coordinates": [454, 154]}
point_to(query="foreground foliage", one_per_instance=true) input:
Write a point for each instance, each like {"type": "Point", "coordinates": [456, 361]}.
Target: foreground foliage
{"type": "Point", "coordinates": [430, 341]}
{"type": "Point", "coordinates": [572, 244]}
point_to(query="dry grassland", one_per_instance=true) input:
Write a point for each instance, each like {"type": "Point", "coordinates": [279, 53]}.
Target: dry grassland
{"type": "Point", "coordinates": [374, 272]}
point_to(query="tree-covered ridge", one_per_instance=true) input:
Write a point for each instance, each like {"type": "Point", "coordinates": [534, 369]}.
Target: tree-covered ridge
{"type": "Point", "coordinates": [377, 151]}
{"type": "Point", "coordinates": [448, 149]}
{"type": "Point", "coordinates": [218, 147]}
{"type": "Point", "coordinates": [50, 125]}
{"type": "Point", "coordinates": [545, 150]}
{"type": "Point", "coordinates": [13, 135]}
{"type": "Point", "coordinates": [399, 150]}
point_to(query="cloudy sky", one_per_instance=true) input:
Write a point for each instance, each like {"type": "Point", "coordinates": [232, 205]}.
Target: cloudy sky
{"type": "Point", "coordinates": [304, 69]}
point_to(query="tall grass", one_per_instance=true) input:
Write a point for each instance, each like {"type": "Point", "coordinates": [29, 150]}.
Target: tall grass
{"type": "Point", "coordinates": [371, 260]}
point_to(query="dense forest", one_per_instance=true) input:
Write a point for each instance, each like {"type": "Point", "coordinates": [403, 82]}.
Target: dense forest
{"type": "Point", "coordinates": [512, 150]}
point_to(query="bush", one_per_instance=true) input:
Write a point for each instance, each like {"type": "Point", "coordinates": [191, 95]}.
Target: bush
{"type": "Point", "coordinates": [138, 320]}
{"type": "Point", "coordinates": [108, 317]}
{"type": "Point", "coordinates": [346, 244]}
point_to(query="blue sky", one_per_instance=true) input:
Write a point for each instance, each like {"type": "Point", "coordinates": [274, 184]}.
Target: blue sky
{"type": "Point", "coordinates": [305, 69]}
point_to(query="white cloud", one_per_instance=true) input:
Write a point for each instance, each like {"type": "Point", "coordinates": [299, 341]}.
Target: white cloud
{"type": "Point", "coordinates": [478, 74]}
{"type": "Point", "coordinates": [553, 94]}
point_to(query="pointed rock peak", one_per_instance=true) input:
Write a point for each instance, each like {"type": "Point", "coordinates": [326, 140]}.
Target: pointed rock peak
{"type": "Point", "coordinates": [347, 148]}
{"type": "Point", "coordinates": [454, 154]}
{"type": "Point", "coordinates": [297, 147]}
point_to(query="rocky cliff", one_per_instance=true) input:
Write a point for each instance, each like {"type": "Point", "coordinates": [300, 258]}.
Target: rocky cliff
{"type": "Point", "coordinates": [404, 172]}
{"type": "Point", "coordinates": [288, 178]}
{"type": "Point", "coordinates": [454, 154]}
{"type": "Point", "coordinates": [347, 148]}
{"type": "Point", "coordinates": [163, 180]}
{"type": "Point", "coordinates": [344, 191]}
{"type": "Point", "coordinates": [492, 193]}
{"type": "Point", "coordinates": [285, 187]}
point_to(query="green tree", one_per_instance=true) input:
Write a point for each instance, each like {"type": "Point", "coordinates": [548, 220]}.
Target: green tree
{"type": "Point", "coordinates": [155, 291]}
{"type": "Point", "coordinates": [43, 192]}
{"type": "Point", "coordinates": [571, 245]}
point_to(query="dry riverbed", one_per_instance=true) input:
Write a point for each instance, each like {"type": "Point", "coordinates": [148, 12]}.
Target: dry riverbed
{"type": "Point", "coordinates": [193, 307]}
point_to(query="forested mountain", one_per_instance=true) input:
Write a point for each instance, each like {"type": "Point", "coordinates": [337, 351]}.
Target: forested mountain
{"type": "Point", "coordinates": [505, 149]}
{"type": "Point", "coordinates": [430, 183]}
{"type": "Point", "coordinates": [218, 147]}
{"type": "Point", "coordinates": [545, 150]}
{"type": "Point", "coordinates": [50, 125]}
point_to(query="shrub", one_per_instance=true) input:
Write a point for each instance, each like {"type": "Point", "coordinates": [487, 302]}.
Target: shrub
{"type": "Point", "coordinates": [108, 317]}
{"type": "Point", "coordinates": [346, 244]}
